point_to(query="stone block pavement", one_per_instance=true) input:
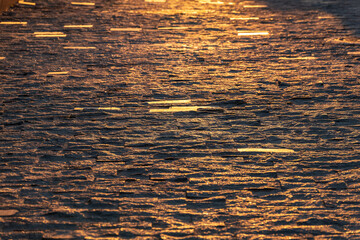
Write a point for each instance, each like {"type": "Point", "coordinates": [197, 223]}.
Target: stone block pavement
{"type": "Point", "coordinates": [123, 119]}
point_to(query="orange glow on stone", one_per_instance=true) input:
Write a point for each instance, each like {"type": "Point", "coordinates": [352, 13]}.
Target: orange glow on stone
{"type": "Point", "coordinates": [27, 3]}
{"type": "Point", "coordinates": [252, 33]}
{"type": "Point", "coordinates": [266, 150]}
{"type": "Point", "coordinates": [13, 23]}
{"type": "Point", "coordinates": [83, 3]}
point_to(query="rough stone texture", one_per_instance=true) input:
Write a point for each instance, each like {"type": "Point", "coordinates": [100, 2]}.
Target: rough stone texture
{"type": "Point", "coordinates": [5, 4]}
{"type": "Point", "coordinates": [82, 156]}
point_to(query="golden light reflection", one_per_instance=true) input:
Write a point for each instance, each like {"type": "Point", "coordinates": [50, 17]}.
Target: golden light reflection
{"type": "Point", "coordinates": [2, 58]}
{"type": "Point", "coordinates": [180, 109]}
{"type": "Point", "coordinates": [79, 47]}
{"type": "Point", "coordinates": [244, 18]}
{"type": "Point", "coordinates": [125, 29]}
{"type": "Point", "coordinates": [13, 23]}
{"type": "Point", "coordinates": [266, 150]}
{"type": "Point", "coordinates": [179, 11]}
{"type": "Point", "coordinates": [109, 108]}
{"type": "Point", "coordinates": [344, 40]}
{"type": "Point", "coordinates": [353, 53]}
{"type": "Point", "coordinates": [98, 108]}
{"type": "Point", "coordinates": [252, 33]}
{"type": "Point", "coordinates": [57, 73]}
{"type": "Point", "coordinates": [78, 26]}
{"type": "Point", "coordinates": [255, 6]}
{"type": "Point", "coordinates": [170, 101]}
{"type": "Point", "coordinates": [27, 3]}
{"type": "Point", "coordinates": [326, 17]}
{"type": "Point", "coordinates": [49, 34]}
{"type": "Point", "coordinates": [83, 3]}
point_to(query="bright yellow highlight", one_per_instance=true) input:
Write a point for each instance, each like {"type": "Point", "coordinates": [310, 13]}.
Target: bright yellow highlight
{"type": "Point", "coordinates": [255, 6]}
{"type": "Point", "coordinates": [99, 108]}
{"type": "Point", "coordinates": [353, 53]}
{"type": "Point", "coordinates": [83, 3]}
{"type": "Point", "coordinates": [297, 58]}
{"type": "Point", "coordinates": [244, 18]}
{"type": "Point", "coordinates": [125, 29]}
{"type": "Point", "coordinates": [79, 47]}
{"type": "Point", "coordinates": [78, 26]}
{"type": "Point", "coordinates": [27, 3]}
{"type": "Point", "coordinates": [13, 23]}
{"type": "Point", "coordinates": [109, 108]}
{"type": "Point", "coordinates": [266, 150]}
{"type": "Point", "coordinates": [57, 73]}
{"type": "Point", "coordinates": [170, 101]}
{"type": "Point", "coordinates": [252, 33]}
{"type": "Point", "coordinates": [2, 58]}
{"type": "Point", "coordinates": [326, 17]}
{"type": "Point", "coordinates": [49, 34]}
{"type": "Point", "coordinates": [179, 109]}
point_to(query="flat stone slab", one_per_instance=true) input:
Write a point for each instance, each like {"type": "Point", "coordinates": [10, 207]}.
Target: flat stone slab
{"type": "Point", "coordinates": [7, 213]}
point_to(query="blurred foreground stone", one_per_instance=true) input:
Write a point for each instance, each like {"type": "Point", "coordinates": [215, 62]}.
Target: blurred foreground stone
{"type": "Point", "coordinates": [5, 4]}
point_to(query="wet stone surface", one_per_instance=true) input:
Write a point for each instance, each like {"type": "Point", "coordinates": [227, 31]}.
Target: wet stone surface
{"type": "Point", "coordinates": [164, 120]}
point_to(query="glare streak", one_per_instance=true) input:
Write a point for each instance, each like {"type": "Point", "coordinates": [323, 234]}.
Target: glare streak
{"type": "Point", "coordinates": [326, 17]}
{"type": "Point", "coordinates": [109, 108]}
{"type": "Point", "coordinates": [266, 150]}
{"type": "Point", "coordinates": [2, 58]}
{"type": "Point", "coordinates": [57, 73]}
{"type": "Point", "coordinates": [27, 3]}
{"type": "Point", "coordinates": [48, 33]}
{"type": "Point", "coordinates": [13, 23]}
{"type": "Point", "coordinates": [79, 47]}
{"type": "Point", "coordinates": [125, 29]}
{"type": "Point", "coordinates": [180, 109]}
{"type": "Point", "coordinates": [252, 33]}
{"type": "Point", "coordinates": [353, 53]}
{"type": "Point", "coordinates": [255, 6]}
{"type": "Point", "coordinates": [298, 58]}
{"type": "Point", "coordinates": [83, 3]}
{"type": "Point", "coordinates": [51, 35]}
{"type": "Point", "coordinates": [98, 108]}
{"type": "Point", "coordinates": [78, 26]}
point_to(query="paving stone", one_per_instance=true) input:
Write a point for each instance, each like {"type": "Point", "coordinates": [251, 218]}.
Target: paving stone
{"type": "Point", "coordinates": [84, 155]}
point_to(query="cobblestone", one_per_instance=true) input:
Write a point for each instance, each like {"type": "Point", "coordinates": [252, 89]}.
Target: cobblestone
{"type": "Point", "coordinates": [123, 119]}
